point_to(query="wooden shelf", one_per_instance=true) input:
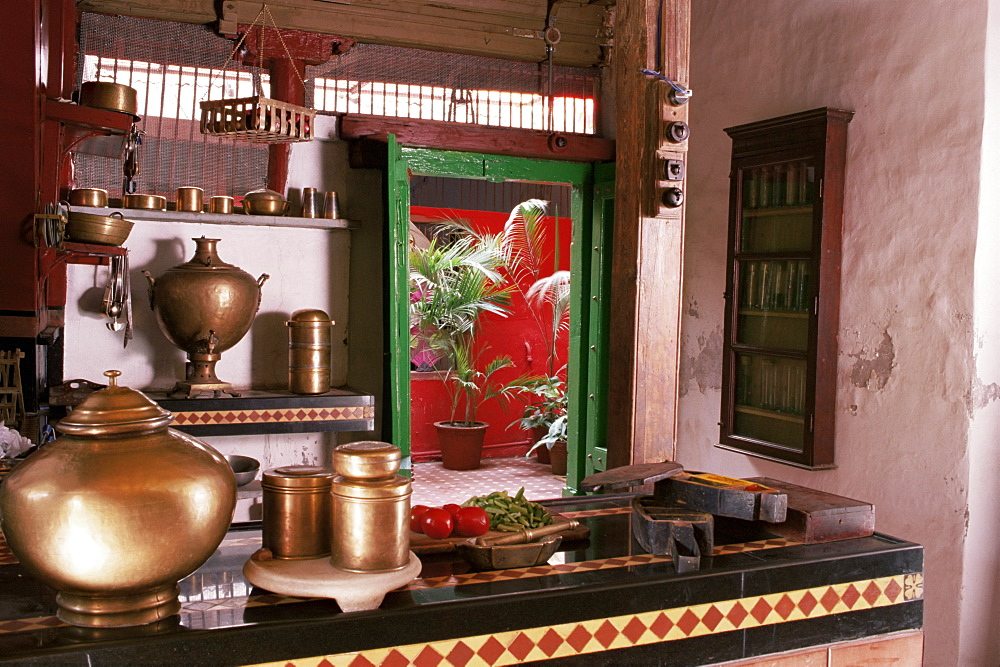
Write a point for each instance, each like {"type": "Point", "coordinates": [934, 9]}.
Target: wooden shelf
{"type": "Point", "coordinates": [770, 414]}
{"type": "Point", "coordinates": [795, 314]}
{"type": "Point", "coordinates": [257, 412]}
{"type": "Point", "coordinates": [777, 210]}
{"type": "Point", "coordinates": [225, 218]}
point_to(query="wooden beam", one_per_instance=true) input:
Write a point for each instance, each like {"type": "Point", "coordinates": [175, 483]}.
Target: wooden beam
{"type": "Point", "coordinates": [479, 139]}
{"type": "Point", "coordinates": [648, 236]}
{"type": "Point", "coordinates": [501, 28]}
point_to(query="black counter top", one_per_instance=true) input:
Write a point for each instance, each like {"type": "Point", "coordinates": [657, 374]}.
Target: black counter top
{"type": "Point", "coordinates": [599, 601]}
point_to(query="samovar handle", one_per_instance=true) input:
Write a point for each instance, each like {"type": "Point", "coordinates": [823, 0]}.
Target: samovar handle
{"type": "Point", "coordinates": [260, 288]}
{"type": "Point", "coordinates": [152, 286]}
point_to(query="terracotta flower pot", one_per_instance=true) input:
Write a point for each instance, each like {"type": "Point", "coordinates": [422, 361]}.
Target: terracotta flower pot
{"type": "Point", "coordinates": [558, 455]}
{"type": "Point", "coordinates": [542, 453]}
{"type": "Point", "coordinates": [461, 446]}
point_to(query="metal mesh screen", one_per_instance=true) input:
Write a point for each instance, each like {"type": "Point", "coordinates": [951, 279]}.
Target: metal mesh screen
{"type": "Point", "coordinates": [171, 66]}
{"type": "Point", "coordinates": [430, 85]}
{"type": "Point", "coordinates": [174, 66]}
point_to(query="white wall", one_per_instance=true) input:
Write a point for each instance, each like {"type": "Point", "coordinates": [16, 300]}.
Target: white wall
{"type": "Point", "coordinates": [914, 76]}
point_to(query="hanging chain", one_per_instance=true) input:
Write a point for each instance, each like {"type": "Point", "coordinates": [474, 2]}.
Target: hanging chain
{"type": "Point", "coordinates": [259, 23]}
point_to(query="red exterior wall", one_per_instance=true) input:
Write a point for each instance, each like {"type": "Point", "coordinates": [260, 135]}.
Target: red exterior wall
{"type": "Point", "coordinates": [516, 335]}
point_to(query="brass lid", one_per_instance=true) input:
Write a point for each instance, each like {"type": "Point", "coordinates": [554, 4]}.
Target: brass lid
{"type": "Point", "coordinates": [114, 411]}
{"type": "Point", "coordinates": [366, 459]}
{"type": "Point", "coordinates": [298, 477]}
{"type": "Point", "coordinates": [264, 194]}
{"type": "Point", "coordinates": [309, 317]}
{"type": "Point", "coordinates": [396, 486]}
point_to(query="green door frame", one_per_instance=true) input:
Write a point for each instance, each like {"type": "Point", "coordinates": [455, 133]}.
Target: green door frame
{"type": "Point", "coordinates": [586, 391]}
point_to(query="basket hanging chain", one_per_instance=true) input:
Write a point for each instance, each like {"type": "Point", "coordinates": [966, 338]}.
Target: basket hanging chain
{"type": "Point", "coordinates": [258, 22]}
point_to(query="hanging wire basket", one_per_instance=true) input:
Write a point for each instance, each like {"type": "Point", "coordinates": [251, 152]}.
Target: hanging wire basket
{"type": "Point", "coordinates": [258, 118]}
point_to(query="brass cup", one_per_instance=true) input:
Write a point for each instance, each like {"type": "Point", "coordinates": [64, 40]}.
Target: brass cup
{"type": "Point", "coordinates": [220, 204]}
{"type": "Point", "coordinates": [95, 197]}
{"type": "Point", "coordinates": [190, 199]}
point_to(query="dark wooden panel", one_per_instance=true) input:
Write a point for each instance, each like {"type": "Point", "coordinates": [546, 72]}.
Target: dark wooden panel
{"type": "Point", "coordinates": [479, 139]}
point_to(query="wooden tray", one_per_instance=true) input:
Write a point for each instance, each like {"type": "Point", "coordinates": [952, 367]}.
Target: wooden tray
{"type": "Point", "coordinates": [421, 544]}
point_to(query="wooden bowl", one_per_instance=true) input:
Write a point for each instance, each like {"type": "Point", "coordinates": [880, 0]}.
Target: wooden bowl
{"type": "Point", "coordinates": [508, 556]}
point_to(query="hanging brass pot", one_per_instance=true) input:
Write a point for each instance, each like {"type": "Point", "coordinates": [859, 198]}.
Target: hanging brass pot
{"type": "Point", "coordinates": [204, 306]}
{"type": "Point", "coordinates": [117, 510]}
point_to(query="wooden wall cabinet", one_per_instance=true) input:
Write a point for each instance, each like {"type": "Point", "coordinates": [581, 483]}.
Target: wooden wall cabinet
{"type": "Point", "coordinates": [779, 376]}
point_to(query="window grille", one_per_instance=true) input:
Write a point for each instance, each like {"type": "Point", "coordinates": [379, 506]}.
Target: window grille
{"type": "Point", "coordinates": [173, 66]}
{"type": "Point", "coordinates": [430, 85]}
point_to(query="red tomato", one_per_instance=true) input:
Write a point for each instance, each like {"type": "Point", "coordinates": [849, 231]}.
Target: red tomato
{"type": "Point", "coordinates": [416, 512]}
{"type": "Point", "coordinates": [472, 521]}
{"type": "Point", "coordinates": [437, 523]}
{"type": "Point", "coordinates": [452, 509]}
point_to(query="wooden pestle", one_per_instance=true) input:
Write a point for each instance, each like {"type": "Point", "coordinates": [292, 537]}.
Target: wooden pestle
{"type": "Point", "coordinates": [528, 535]}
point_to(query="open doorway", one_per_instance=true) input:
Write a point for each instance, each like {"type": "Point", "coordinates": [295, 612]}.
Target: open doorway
{"type": "Point", "coordinates": [531, 332]}
{"type": "Point", "coordinates": [586, 407]}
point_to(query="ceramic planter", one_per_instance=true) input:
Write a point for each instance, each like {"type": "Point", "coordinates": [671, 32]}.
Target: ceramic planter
{"type": "Point", "coordinates": [461, 446]}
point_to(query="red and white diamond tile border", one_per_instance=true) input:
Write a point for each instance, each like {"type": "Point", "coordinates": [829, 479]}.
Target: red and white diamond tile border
{"type": "Point", "coordinates": [602, 634]}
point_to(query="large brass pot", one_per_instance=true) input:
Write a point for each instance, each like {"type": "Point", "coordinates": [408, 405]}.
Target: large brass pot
{"type": "Point", "coordinates": [204, 306]}
{"type": "Point", "coordinates": [117, 510]}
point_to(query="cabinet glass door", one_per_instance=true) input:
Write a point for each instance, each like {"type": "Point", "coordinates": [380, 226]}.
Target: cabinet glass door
{"type": "Point", "coordinates": [777, 203]}
{"type": "Point", "coordinates": [770, 399]}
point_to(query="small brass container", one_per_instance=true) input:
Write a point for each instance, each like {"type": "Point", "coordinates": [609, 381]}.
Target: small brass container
{"type": "Point", "coordinates": [145, 202]}
{"type": "Point", "coordinates": [371, 515]}
{"type": "Point", "coordinates": [95, 197]}
{"type": "Point", "coordinates": [110, 96]}
{"type": "Point", "coordinates": [220, 204]}
{"type": "Point", "coordinates": [296, 511]}
{"type": "Point", "coordinates": [367, 459]}
{"type": "Point", "coordinates": [309, 344]}
{"type": "Point", "coordinates": [190, 199]}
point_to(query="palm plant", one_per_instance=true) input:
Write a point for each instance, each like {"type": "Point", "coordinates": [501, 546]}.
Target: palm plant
{"type": "Point", "coordinates": [452, 286]}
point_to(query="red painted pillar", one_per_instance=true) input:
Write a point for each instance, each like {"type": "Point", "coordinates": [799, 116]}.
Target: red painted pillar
{"type": "Point", "coordinates": [286, 85]}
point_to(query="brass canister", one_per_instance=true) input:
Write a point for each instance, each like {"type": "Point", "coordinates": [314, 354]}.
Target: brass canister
{"type": "Point", "coordinates": [297, 511]}
{"type": "Point", "coordinates": [309, 344]}
{"type": "Point", "coordinates": [371, 515]}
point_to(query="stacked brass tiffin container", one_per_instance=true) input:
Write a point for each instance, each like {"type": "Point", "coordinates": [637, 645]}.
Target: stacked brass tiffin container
{"type": "Point", "coordinates": [358, 514]}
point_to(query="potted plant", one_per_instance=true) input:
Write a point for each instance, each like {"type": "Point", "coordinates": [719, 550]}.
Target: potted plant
{"type": "Point", "coordinates": [548, 296]}
{"type": "Point", "coordinates": [453, 284]}
{"type": "Point", "coordinates": [555, 441]}
{"type": "Point", "coordinates": [545, 400]}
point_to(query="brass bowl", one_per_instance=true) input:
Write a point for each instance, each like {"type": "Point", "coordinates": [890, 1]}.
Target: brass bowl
{"type": "Point", "coordinates": [264, 202]}
{"type": "Point", "coordinates": [101, 229]}
{"type": "Point", "coordinates": [508, 556]}
{"type": "Point", "coordinates": [146, 202]}
{"type": "Point", "coordinates": [109, 96]}
{"type": "Point", "coordinates": [95, 197]}
{"type": "Point", "coordinates": [244, 468]}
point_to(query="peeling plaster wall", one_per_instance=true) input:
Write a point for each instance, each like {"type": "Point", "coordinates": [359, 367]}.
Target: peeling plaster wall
{"type": "Point", "coordinates": [906, 363]}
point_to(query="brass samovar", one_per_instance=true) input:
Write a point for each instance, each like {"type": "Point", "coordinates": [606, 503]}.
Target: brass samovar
{"type": "Point", "coordinates": [204, 306]}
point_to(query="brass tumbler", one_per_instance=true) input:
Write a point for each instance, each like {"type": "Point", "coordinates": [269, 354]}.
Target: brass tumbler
{"type": "Point", "coordinates": [297, 512]}
{"type": "Point", "coordinates": [220, 204]}
{"type": "Point", "coordinates": [190, 199]}
{"type": "Point", "coordinates": [371, 515]}
{"type": "Point", "coordinates": [309, 335]}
